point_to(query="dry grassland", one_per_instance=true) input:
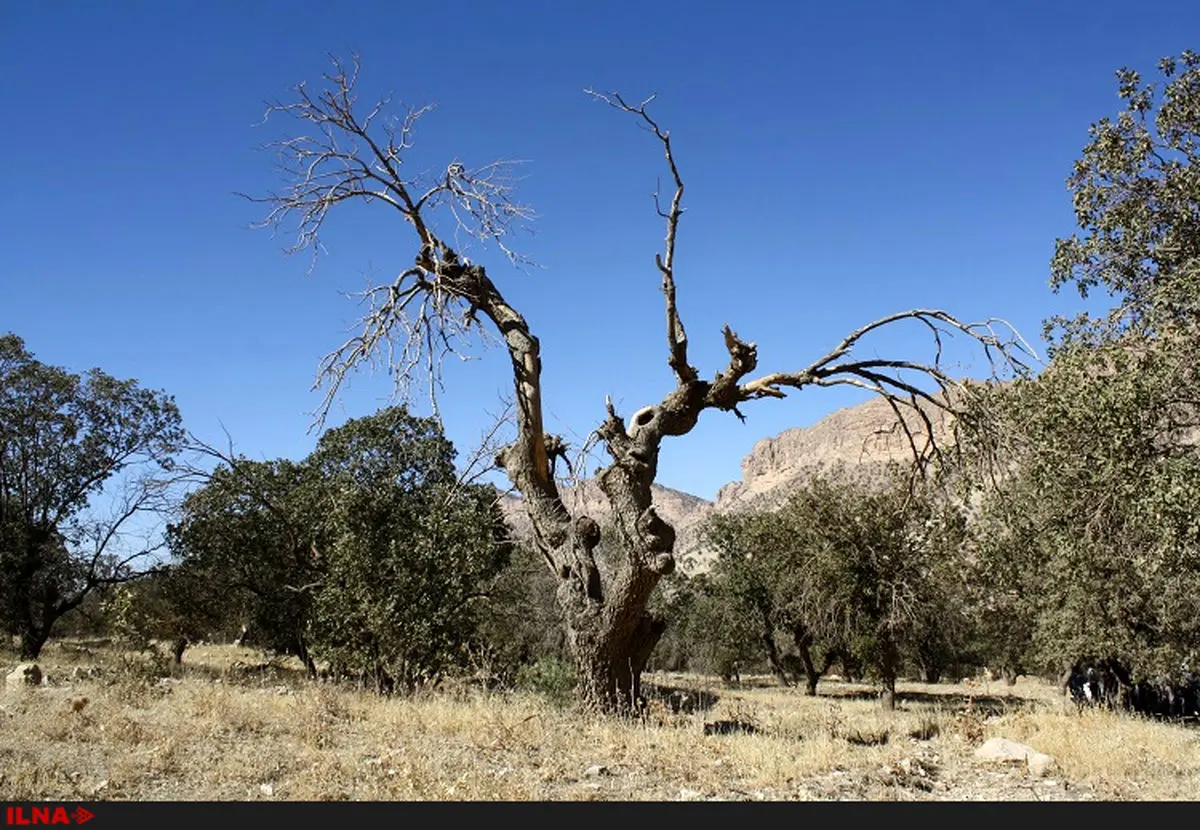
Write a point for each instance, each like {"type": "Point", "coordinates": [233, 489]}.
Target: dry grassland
{"type": "Point", "coordinates": [230, 727]}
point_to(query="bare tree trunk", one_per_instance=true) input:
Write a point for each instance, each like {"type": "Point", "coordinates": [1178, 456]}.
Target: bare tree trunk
{"type": "Point", "coordinates": [804, 647]}
{"type": "Point", "coordinates": [302, 652]}
{"type": "Point", "coordinates": [33, 640]}
{"type": "Point", "coordinates": [610, 660]}
{"type": "Point", "coordinates": [40, 615]}
{"type": "Point", "coordinates": [887, 696]}
{"type": "Point", "coordinates": [768, 641]}
{"type": "Point", "coordinates": [610, 634]}
{"type": "Point", "coordinates": [852, 668]}
{"type": "Point", "coordinates": [889, 668]}
{"type": "Point", "coordinates": [35, 611]}
{"type": "Point", "coordinates": [767, 637]}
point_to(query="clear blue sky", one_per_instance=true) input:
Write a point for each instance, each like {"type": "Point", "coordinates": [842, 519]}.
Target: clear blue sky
{"type": "Point", "coordinates": [844, 160]}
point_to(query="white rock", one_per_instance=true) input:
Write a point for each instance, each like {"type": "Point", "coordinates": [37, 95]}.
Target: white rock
{"type": "Point", "coordinates": [1002, 749]}
{"type": "Point", "coordinates": [25, 674]}
{"type": "Point", "coordinates": [1039, 764]}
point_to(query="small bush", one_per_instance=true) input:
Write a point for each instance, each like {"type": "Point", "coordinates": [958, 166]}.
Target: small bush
{"type": "Point", "coordinates": [551, 677]}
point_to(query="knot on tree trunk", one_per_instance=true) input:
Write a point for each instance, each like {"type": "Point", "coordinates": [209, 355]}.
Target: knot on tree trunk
{"type": "Point", "coordinates": [663, 564]}
{"type": "Point", "coordinates": [587, 536]}
{"type": "Point", "coordinates": [501, 458]}
{"type": "Point", "coordinates": [587, 531]}
{"type": "Point", "coordinates": [743, 359]}
{"type": "Point", "coordinates": [659, 535]}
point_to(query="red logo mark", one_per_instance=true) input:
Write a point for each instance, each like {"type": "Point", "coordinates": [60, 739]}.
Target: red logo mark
{"type": "Point", "coordinates": [46, 815]}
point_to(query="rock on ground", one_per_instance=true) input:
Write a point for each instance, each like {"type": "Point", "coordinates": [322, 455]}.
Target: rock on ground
{"type": "Point", "coordinates": [25, 674]}
{"type": "Point", "coordinates": [1003, 749]}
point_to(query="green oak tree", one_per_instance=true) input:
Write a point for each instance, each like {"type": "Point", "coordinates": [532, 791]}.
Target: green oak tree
{"type": "Point", "coordinates": [1092, 547]}
{"type": "Point", "coordinates": [409, 552]}
{"type": "Point", "coordinates": [83, 460]}
{"type": "Point", "coordinates": [867, 570]}
{"type": "Point", "coordinates": [246, 554]}
{"type": "Point", "coordinates": [369, 554]}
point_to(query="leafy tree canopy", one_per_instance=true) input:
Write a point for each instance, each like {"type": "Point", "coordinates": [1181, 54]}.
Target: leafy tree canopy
{"type": "Point", "coordinates": [1136, 192]}
{"type": "Point", "coordinates": [65, 438]}
{"type": "Point", "coordinates": [369, 554]}
{"type": "Point", "coordinates": [864, 569]}
{"type": "Point", "coordinates": [1092, 545]}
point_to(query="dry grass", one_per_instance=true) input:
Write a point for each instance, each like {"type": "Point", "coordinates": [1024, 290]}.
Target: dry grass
{"type": "Point", "coordinates": [221, 731]}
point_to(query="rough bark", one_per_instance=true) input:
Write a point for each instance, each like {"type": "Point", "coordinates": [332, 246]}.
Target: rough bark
{"type": "Point", "coordinates": [889, 668]}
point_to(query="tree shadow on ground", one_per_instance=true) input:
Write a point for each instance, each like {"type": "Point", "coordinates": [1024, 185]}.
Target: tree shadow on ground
{"type": "Point", "coordinates": [984, 704]}
{"type": "Point", "coordinates": [678, 700]}
{"type": "Point", "coordinates": [241, 673]}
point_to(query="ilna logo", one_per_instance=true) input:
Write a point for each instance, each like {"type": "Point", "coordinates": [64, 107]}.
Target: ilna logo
{"type": "Point", "coordinates": [47, 815]}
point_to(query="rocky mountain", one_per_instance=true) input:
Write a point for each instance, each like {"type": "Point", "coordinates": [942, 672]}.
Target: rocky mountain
{"type": "Point", "coordinates": [865, 434]}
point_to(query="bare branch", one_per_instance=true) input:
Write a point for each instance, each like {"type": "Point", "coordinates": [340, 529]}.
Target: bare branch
{"type": "Point", "coordinates": [1008, 350]}
{"type": "Point", "coordinates": [430, 308]}
{"type": "Point", "coordinates": [349, 157]}
{"type": "Point", "coordinates": [677, 342]}
{"type": "Point", "coordinates": [483, 458]}
{"type": "Point", "coordinates": [407, 330]}
{"type": "Point", "coordinates": [348, 154]}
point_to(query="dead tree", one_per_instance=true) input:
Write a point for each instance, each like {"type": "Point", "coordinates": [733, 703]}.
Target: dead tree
{"type": "Point", "coordinates": [353, 153]}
